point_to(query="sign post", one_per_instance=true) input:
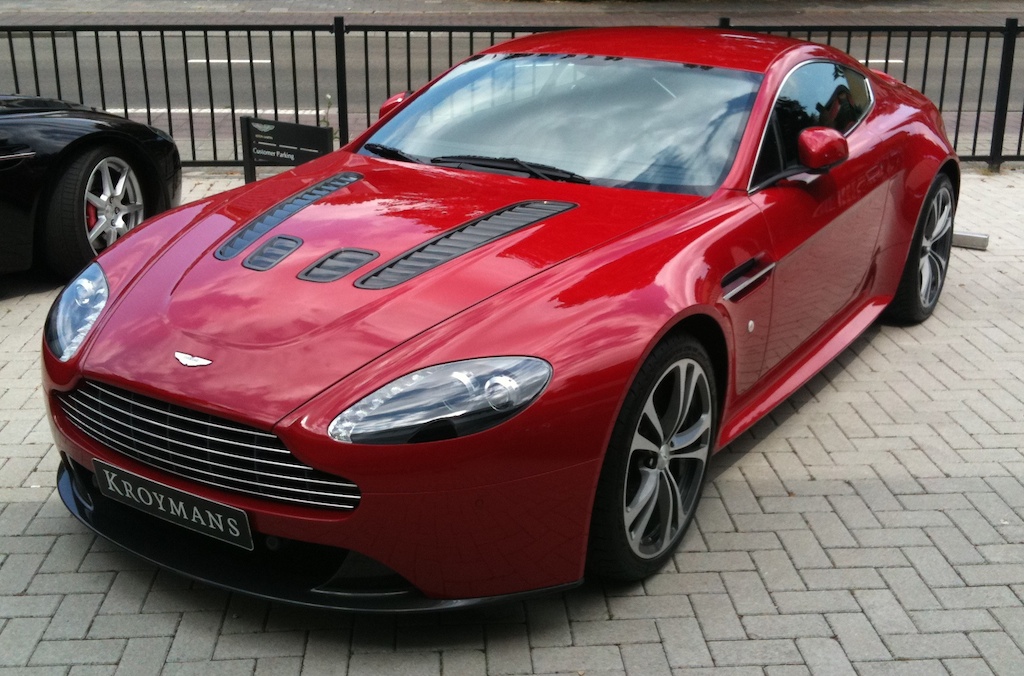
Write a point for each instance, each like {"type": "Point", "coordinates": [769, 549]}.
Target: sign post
{"type": "Point", "coordinates": [275, 143]}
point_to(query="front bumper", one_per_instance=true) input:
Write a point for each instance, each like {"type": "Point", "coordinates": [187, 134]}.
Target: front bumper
{"type": "Point", "coordinates": [277, 569]}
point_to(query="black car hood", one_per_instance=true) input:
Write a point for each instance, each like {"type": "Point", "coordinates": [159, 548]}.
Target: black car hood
{"type": "Point", "coordinates": [11, 104]}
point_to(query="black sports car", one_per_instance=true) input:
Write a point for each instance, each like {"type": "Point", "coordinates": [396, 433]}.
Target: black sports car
{"type": "Point", "coordinates": [74, 179]}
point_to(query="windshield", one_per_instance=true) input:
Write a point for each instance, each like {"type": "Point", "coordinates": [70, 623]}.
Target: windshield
{"type": "Point", "coordinates": [649, 125]}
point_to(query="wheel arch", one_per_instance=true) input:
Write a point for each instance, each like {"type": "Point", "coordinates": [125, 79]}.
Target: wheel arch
{"type": "Point", "coordinates": [952, 169]}
{"type": "Point", "coordinates": [148, 173]}
{"type": "Point", "coordinates": [708, 332]}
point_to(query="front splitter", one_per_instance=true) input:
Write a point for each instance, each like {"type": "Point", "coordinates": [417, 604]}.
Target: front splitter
{"type": "Point", "coordinates": [266, 576]}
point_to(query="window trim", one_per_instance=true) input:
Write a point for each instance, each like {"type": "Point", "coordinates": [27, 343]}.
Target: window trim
{"type": "Point", "coordinates": [751, 186]}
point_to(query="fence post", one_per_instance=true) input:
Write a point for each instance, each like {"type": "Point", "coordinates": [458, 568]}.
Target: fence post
{"type": "Point", "coordinates": [339, 64]}
{"type": "Point", "coordinates": [1003, 93]}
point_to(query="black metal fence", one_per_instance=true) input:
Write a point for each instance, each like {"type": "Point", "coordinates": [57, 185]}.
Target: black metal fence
{"type": "Point", "coordinates": [197, 82]}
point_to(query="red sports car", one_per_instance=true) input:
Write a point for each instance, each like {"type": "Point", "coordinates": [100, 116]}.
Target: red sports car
{"type": "Point", "coordinates": [490, 345]}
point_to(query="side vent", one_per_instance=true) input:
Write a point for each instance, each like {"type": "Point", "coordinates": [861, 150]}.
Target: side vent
{"type": "Point", "coordinates": [271, 253]}
{"type": "Point", "coordinates": [275, 216]}
{"type": "Point", "coordinates": [336, 265]}
{"type": "Point", "coordinates": [463, 239]}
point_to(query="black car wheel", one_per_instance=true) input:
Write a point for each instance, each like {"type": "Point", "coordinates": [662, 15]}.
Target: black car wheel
{"type": "Point", "coordinates": [928, 262]}
{"type": "Point", "coordinates": [97, 199]}
{"type": "Point", "coordinates": [654, 470]}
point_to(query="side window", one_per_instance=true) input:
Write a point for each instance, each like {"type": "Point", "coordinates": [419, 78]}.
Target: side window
{"type": "Point", "coordinates": [819, 94]}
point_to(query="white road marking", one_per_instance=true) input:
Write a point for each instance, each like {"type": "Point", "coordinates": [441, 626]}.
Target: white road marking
{"type": "Point", "coordinates": [260, 61]}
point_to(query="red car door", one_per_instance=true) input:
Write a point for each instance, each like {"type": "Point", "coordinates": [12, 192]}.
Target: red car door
{"type": "Point", "coordinates": [823, 226]}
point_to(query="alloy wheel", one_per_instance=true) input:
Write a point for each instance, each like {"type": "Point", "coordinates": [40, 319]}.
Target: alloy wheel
{"type": "Point", "coordinates": [667, 459]}
{"type": "Point", "coordinates": [113, 202]}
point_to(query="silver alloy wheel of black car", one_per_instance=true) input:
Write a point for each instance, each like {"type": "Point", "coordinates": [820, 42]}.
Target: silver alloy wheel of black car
{"type": "Point", "coordinates": [657, 459]}
{"type": "Point", "coordinates": [935, 245]}
{"type": "Point", "coordinates": [98, 197]}
{"type": "Point", "coordinates": [667, 457]}
{"type": "Point", "coordinates": [113, 202]}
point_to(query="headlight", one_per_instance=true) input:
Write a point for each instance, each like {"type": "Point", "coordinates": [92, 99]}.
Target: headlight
{"type": "Point", "coordinates": [444, 402]}
{"type": "Point", "coordinates": [75, 311]}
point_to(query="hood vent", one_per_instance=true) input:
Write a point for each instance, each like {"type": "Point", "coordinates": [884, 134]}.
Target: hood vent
{"type": "Point", "coordinates": [463, 239]}
{"type": "Point", "coordinates": [275, 216]}
{"type": "Point", "coordinates": [271, 253]}
{"type": "Point", "coordinates": [336, 265]}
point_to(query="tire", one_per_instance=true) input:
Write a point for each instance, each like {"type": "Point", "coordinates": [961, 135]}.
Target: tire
{"type": "Point", "coordinates": [928, 261]}
{"type": "Point", "coordinates": [651, 481]}
{"type": "Point", "coordinates": [96, 200]}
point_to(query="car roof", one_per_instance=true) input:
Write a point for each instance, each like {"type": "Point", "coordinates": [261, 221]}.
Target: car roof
{"type": "Point", "coordinates": [722, 48]}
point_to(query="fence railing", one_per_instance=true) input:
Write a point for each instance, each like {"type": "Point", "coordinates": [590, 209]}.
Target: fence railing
{"type": "Point", "coordinates": [197, 81]}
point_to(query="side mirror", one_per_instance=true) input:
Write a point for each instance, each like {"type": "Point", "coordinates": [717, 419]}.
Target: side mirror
{"type": "Point", "coordinates": [821, 148]}
{"type": "Point", "coordinates": [393, 102]}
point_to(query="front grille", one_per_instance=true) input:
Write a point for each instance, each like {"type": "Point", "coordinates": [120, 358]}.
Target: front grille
{"type": "Point", "coordinates": [202, 447]}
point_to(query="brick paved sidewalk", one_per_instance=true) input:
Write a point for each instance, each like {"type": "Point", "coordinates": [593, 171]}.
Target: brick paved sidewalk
{"type": "Point", "coordinates": [873, 525]}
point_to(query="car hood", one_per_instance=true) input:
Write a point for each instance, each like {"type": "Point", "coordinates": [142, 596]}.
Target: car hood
{"type": "Point", "coordinates": [15, 103]}
{"type": "Point", "coordinates": [275, 340]}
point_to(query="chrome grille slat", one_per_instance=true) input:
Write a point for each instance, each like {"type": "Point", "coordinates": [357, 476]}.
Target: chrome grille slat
{"type": "Point", "coordinates": [217, 479]}
{"type": "Point", "coordinates": [228, 427]}
{"type": "Point", "coordinates": [202, 448]}
{"type": "Point", "coordinates": [126, 439]}
{"type": "Point", "coordinates": [74, 398]}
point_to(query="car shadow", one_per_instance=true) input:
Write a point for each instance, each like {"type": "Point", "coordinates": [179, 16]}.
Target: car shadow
{"type": "Point", "coordinates": [17, 284]}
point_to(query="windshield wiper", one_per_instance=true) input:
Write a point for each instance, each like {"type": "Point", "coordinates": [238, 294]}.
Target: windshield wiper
{"type": "Point", "coordinates": [391, 153]}
{"type": "Point", "coordinates": [533, 169]}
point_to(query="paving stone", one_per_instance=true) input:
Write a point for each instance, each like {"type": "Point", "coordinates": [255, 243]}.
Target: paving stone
{"type": "Point", "coordinates": [134, 626]}
{"type": "Point", "coordinates": [548, 623]}
{"type": "Point", "coordinates": [804, 550]}
{"type": "Point", "coordinates": [786, 626]}
{"type": "Point", "coordinates": [699, 562]}
{"type": "Point", "coordinates": [815, 602]}
{"type": "Point", "coordinates": [748, 593]}
{"type": "Point", "coordinates": [684, 583]}
{"type": "Point", "coordinates": [508, 649]}
{"type": "Point", "coordinates": [842, 578]}
{"type": "Point", "coordinates": [909, 588]}
{"type": "Point", "coordinates": [938, 621]}
{"type": "Point", "coordinates": [957, 549]}
{"type": "Point", "coordinates": [280, 666]}
{"type": "Point", "coordinates": [777, 571]}
{"type": "Point", "coordinates": [18, 639]}
{"type": "Point", "coordinates": [904, 668]}
{"type": "Point", "coordinates": [684, 643]}
{"type": "Point", "coordinates": [196, 637]}
{"type": "Point", "coordinates": [633, 607]}
{"type": "Point", "coordinates": [266, 644]}
{"type": "Point", "coordinates": [967, 666]}
{"type": "Point", "coordinates": [885, 612]}
{"type": "Point", "coordinates": [18, 571]}
{"type": "Point", "coordinates": [932, 566]}
{"type": "Point", "coordinates": [754, 652]}
{"type": "Point", "coordinates": [74, 616]}
{"type": "Point", "coordinates": [591, 658]}
{"type": "Point", "coordinates": [645, 660]}
{"type": "Point", "coordinates": [717, 617]}
{"type": "Point", "coordinates": [28, 606]}
{"type": "Point", "coordinates": [144, 656]}
{"type": "Point", "coordinates": [825, 657]}
{"type": "Point", "coordinates": [977, 597]}
{"type": "Point", "coordinates": [858, 637]}
{"type": "Point", "coordinates": [929, 646]}
{"type": "Point", "coordinates": [88, 651]}
{"type": "Point", "coordinates": [406, 664]}
{"type": "Point", "coordinates": [999, 651]}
